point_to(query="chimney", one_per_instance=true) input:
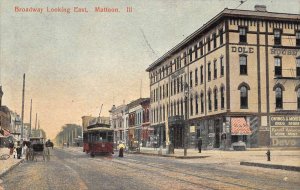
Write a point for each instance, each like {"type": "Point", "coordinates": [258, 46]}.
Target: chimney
{"type": "Point", "coordinates": [260, 8]}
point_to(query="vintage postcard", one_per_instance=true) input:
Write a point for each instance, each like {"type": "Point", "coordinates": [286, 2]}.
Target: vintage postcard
{"type": "Point", "coordinates": [140, 94]}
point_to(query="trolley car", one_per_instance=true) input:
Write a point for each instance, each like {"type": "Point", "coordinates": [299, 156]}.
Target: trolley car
{"type": "Point", "coordinates": [98, 139]}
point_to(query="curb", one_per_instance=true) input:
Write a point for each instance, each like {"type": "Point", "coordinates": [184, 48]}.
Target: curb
{"type": "Point", "coordinates": [169, 156]}
{"type": "Point", "coordinates": [272, 166]}
{"type": "Point", "coordinates": [11, 168]}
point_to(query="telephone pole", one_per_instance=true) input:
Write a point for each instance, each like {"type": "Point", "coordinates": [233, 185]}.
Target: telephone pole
{"type": "Point", "coordinates": [23, 99]}
{"type": "Point", "coordinates": [30, 118]}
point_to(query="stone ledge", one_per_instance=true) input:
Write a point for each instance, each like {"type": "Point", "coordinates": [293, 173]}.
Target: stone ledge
{"type": "Point", "coordinates": [272, 166]}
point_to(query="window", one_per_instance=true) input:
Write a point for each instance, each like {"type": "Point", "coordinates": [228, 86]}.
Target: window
{"type": "Point", "coordinates": [201, 48]}
{"type": "Point", "coordinates": [178, 85]}
{"type": "Point", "coordinates": [221, 36]}
{"type": "Point", "coordinates": [209, 72]}
{"type": "Point", "coordinates": [278, 96]}
{"type": "Point", "coordinates": [181, 83]}
{"type": "Point", "coordinates": [244, 97]}
{"type": "Point", "coordinates": [208, 44]}
{"type": "Point", "coordinates": [174, 108]}
{"type": "Point", "coordinates": [178, 62]}
{"type": "Point", "coordinates": [171, 86]}
{"type": "Point", "coordinates": [202, 102]}
{"type": "Point", "coordinates": [167, 88]}
{"type": "Point", "coordinates": [196, 51]}
{"type": "Point", "coordinates": [191, 54]}
{"type": "Point", "coordinates": [181, 106]}
{"type": "Point", "coordinates": [201, 74]}
{"type": "Point", "coordinates": [209, 100]}
{"type": "Point", "coordinates": [184, 58]}
{"type": "Point", "coordinates": [298, 98]}
{"type": "Point", "coordinates": [191, 105]}
{"type": "Point", "coordinates": [277, 37]}
{"type": "Point", "coordinates": [163, 91]}
{"type": "Point", "coordinates": [298, 67]}
{"type": "Point", "coordinates": [215, 69]}
{"type": "Point", "coordinates": [191, 79]}
{"type": "Point", "coordinates": [196, 104]}
{"type": "Point", "coordinates": [196, 77]}
{"type": "Point", "coordinates": [160, 93]}
{"type": "Point", "coordinates": [222, 98]}
{"type": "Point", "coordinates": [174, 88]}
{"type": "Point", "coordinates": [243, 35]}
{"type": "Point", "coordinates": [215, 40]}
{"type": "Point", "coordinates": [243, 64]}
{"type": "Point", "coordinates": [216, 98]}
{"type": "Point", "coordinates": [298, 38]}
{"type": "Point", "coordinates": [278, 67]}
{"type": "Point", "coordinates": [221, 66]}
{"type": "Point", "coordinates": [178, 108]}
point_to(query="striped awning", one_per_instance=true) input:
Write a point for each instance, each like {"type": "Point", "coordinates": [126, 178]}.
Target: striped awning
{"type": "Point", "coordinates": [239, 126]}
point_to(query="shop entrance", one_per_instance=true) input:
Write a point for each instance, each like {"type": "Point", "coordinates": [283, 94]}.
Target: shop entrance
{"type": "Point", "coordinates": [176, 136]}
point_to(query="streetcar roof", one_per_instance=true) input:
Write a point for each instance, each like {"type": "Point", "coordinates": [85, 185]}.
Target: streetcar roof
{"type": "Point", "coordinates": [100, 129]}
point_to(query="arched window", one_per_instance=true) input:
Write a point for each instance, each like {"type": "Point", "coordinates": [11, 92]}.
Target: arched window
{"type": "Point", "coordinates": [174, 107]}
{"type": "Point", "coordinates": [178, 108]}
{"type": "Point", "coordinates": [196, 104]}
{"type": "Point", "coordinates": [216, 98]}
{"type": "Point", "coordinates": [171, 114]}
{"type": "Point", "coordinates": [244, 97]}
{"type": "Point", "coordinates": [181, 105]}
{"type": "Point", "coordinates": [202, 102]}
{"type": "Point", "coordinates": [209, 100]}
{"type": "Point", "coordinates": [243, 64]}
{"type": "Point", "coordinates": [298, 98]}
{"type": "Point", "coordinates": [222, 97]}
{"type": "Point", "coordinates": [191, 105]}
{"type": "Point", "coordinates": [278, 96]}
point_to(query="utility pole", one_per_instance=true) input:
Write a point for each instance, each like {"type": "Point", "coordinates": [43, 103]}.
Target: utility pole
{"type": "Point", "coordinates": [23, 99]}
{"type": "Point", "coordinates": [30, 118]}
{"type": "Point", "coordinates": [35, 121]}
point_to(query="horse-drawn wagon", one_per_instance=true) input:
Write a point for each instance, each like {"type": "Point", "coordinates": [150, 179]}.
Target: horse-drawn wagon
{"type": "Point", "coordinates": [37, 149]}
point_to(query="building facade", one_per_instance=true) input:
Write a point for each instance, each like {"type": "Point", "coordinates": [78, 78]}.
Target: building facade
{"type": "Point", "coordinates": [117, 122]}
{"type": "Point", "coordinates": [235, 79]}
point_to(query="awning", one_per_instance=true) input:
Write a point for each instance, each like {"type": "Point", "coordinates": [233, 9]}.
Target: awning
{"type": "Point", "coordinates": [239, 126]}
{"type": "Point", "coordinates": [6, 132]}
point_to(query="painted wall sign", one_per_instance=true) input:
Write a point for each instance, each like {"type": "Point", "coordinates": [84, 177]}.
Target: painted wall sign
{"type": "Point", "coordinates": [242, 49]}
{"type": "Point", "coordinates": [284, 51]}
{"type": "Point", "coordinates": [285, 132]}
{"type": "Point", "coordinates": [278, 142]}
{"type": "Point", "coordinates": [285, 120]}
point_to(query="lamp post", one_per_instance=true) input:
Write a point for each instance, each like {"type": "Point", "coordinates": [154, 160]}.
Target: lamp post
{"type": "Point", "coordinates": [186, 96]}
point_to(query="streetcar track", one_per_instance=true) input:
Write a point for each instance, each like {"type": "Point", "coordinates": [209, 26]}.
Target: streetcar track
{"type": "Point", "coordinates": [189, 174]}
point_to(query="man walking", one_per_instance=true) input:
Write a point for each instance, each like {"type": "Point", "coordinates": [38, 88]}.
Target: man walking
{"type": "Point", "coordinates": [199, 144]}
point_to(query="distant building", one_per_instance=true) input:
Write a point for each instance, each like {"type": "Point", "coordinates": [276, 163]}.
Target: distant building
{"type": "Point", "coordinates": [5, 127]}
{"type": "Point", "coordinates": [237, 78]}
{"type": "Point", "coordinates": [117, 122]}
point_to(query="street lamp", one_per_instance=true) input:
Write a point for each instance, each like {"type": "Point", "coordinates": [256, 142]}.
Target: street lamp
{"type": "Point", "coordinates": [186, 96]}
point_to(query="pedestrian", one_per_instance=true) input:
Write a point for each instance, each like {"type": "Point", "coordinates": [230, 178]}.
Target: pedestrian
{"type": "Point", "coordinates": [199, 144]}
{"type": "Point", "coordinates": [121, 149]}
{"type": "Point", "coordinates": [11, 147]}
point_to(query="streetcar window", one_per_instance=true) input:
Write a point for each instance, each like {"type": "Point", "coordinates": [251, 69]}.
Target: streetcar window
{"type": "Point", "coordinates": [103, 135]}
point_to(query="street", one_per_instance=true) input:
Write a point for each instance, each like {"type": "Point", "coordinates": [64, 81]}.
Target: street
{"type": "Point", "coordinates": [76, 170]}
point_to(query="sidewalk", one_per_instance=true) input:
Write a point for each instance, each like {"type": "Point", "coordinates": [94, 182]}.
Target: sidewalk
{"type": "Point", "coordinates": [9, 164]}
{"type": "Point", "coordinates": [280, 159]}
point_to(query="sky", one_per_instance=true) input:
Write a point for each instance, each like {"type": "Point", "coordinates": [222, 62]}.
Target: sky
{"type": "Point", "coordinates": [76, 62]}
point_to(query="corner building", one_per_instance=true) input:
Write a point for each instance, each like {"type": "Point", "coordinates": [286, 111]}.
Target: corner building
{"type": "Point", "coordinates": [242, 69]}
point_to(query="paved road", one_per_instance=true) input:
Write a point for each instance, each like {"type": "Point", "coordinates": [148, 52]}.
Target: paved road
{"type": "Point", "coordinates": [75, 170]}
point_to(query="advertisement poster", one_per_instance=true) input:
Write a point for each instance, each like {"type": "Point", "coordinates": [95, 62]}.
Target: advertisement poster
{"type": "Point", "coordinates": [149, 94]}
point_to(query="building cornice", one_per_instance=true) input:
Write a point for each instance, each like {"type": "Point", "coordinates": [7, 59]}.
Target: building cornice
{"type": "Point", "coordinates": [226, 13]}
